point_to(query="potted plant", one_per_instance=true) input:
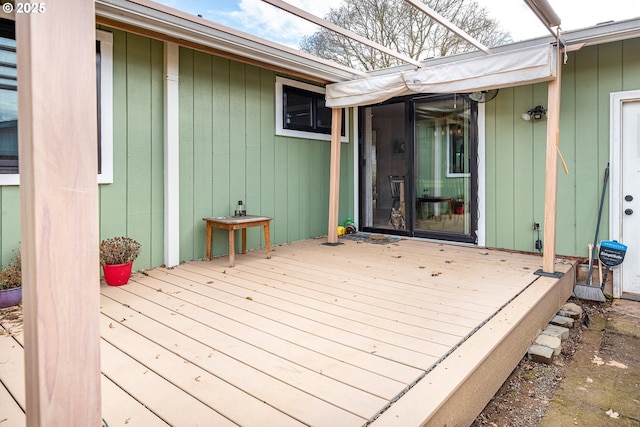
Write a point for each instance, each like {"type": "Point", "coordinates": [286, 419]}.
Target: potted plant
{"type": "Point", "coordinates": [11, 282]}
{"type": "Point", "coordinates": [116, 258]}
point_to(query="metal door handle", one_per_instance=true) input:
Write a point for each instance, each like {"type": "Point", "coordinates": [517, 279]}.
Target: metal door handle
{"type": "Point", "coordinates": [628, 211]}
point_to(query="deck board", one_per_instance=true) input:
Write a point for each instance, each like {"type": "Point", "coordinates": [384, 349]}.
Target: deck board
{"type": "Point", "coordinates": [446, 334]}
{"type": "Point", "coordinates": [316, 335]}
{"type": "Point", "coordinates": [117, 406]}
{"type": "Point", "coordinates": [339, 344]}
{"type": "Point", "coordinates": [265, 376]}
{"type": "Point", "coordinates": [433, 282]}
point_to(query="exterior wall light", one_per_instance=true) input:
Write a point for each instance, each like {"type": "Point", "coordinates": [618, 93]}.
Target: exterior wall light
{"type": "Point", "coordinates": [536, 113]}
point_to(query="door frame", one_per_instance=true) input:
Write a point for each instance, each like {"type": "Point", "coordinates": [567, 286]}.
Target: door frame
{"type": "Point", "coordinates": [617, 101]}
{"type": "Point", "coordinates": [359, 186]}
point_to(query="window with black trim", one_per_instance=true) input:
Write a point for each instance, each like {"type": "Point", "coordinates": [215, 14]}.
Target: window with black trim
{"type": "Point", "coordinates": [301, 111]}
{"type": "Point", "coordinates": [306, 111]}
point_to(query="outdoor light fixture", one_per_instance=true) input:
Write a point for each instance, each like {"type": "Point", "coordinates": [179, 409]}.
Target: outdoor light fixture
{"type": "Point", "coordinates": [536, 113]}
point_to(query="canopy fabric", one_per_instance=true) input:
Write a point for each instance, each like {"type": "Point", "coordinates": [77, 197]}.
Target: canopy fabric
{"type": "Point", "coordinates": [513, 68]}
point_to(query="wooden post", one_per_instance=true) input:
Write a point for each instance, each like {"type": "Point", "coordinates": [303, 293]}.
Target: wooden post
{"type": "Point", "coordinates": [551, 184]}
{"type": "Point", "coordinates": [57, 119]}
{"type": "Point", "coordinates": [334, 176]}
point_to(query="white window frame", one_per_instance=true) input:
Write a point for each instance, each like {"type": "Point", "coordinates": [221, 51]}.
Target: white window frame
{"type": "Point", "coordinates": [106, 106]}
{"type": "Point", "coordinates": [106, 113]}
{"type": "Point", "coordinates": [449, 154]}
{"type": "Point", "coordinates": [281, 131]}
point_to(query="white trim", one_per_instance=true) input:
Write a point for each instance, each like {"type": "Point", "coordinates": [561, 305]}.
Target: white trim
{"type": "Point", "coordinates": [106, 106]}
{"type": "Point", "coordinates": [171, 155]}
{"type": "Point", "coordinates": [282, 81]}
{"type": "Point", "coordinates": [106, 113]}
{"type": "Point", "coordinates": [617, 99]}
{"type": "Point", "coordinates": [9, 179]}
{"type": "Point", "coordinates": [449, 173]}
{"type": "Point", "coordinates": [481, 233]}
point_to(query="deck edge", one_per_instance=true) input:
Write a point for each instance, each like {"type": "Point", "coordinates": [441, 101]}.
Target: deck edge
{"type": "Point", "coordinates": [458, 389]}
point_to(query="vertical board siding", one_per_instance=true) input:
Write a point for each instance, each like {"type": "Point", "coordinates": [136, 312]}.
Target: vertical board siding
{"type": "Point", "coordinates": [133, 204]}
{"type": "Point", "coordinates": [9, 222]}
{"type": "Point", "coordinates": [229, 152]}
{"type": "Point", "coordinates": [523, 166]}
{"type": "Point", "coordinates": [506, 193]}
{"type": "Point", "coordinates": [515, 151]}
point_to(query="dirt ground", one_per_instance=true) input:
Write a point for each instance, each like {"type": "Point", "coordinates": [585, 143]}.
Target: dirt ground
{"type": "Point", "coordinates": [564, 393]}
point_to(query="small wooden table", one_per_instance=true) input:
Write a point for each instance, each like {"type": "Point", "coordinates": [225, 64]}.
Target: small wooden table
{"type": "Point", "coordinates": [435, 200]}
{"type": "Point", "coordinates": [233, 223]}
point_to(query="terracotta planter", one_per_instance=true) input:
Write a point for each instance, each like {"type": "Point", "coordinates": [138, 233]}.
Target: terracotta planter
{"type": "Point", "coordinates": [10, 297]}
{"type": "Point", "coordinates": [117, 274]}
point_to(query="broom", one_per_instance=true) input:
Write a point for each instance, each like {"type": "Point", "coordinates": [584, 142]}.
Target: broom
{"type": "Point", "coordinates": [588, 292]}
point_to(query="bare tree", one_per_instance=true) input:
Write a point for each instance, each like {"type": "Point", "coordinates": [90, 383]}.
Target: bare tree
{"type": "Point", "coordinates": [401, 27]}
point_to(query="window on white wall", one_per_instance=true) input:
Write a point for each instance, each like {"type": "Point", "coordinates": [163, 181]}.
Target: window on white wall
{"type": "Point", "coordinates": [9, 173]}
{"type": "Point", "coordinates": [301, 111]}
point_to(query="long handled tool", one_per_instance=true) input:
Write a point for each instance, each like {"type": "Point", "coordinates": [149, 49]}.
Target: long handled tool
{"type": "Point", "coordinates": [588, 292]}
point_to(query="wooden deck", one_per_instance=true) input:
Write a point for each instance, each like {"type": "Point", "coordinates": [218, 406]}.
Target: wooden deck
{"type": "Point", "coordinates": [422, 333]}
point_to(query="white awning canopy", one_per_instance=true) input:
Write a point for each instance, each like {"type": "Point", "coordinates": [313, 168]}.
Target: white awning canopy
{"type": "Point", "coordinates": [513, 68]}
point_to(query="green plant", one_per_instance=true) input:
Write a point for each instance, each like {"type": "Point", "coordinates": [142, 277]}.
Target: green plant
{"type": "Point", "coordinates": [11, 274]}
{"type": "Point", "coordinates": [118, 250]}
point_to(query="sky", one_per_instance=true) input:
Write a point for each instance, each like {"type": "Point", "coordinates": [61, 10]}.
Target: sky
{"type": "Point", "coordinates": [263, 20]}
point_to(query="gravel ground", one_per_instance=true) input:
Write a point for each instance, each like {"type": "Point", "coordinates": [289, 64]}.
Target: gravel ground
{"type": "Point", "coordinates": [523, 398]}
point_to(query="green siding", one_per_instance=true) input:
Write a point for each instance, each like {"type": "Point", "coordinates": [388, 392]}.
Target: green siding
{"type": "Point", "coordinates": [10, 222]}
{"type": "Point", "coordinates": [515, 151]}
{"type": "Point", "coordinates": [133, 204]}
{"type": "Point", "coordinates": [229, 152]}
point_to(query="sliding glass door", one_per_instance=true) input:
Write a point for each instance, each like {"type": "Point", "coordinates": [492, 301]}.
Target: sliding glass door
{"type": "Point", "coordinates": [419, 174]}
{"type": "Point", "coordinates": [385, 168]}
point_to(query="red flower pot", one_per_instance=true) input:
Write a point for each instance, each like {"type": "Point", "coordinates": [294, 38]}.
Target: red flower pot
{"type": "Point", "coordinates": [117, 274]}
{"type": "Point", "coordinates": [10, 297]}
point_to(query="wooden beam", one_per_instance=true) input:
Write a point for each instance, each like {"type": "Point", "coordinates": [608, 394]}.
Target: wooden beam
{"type": "Point", "coordinates": [334, 175]}
{"type": "Point", "coordinates": [57, 119]}
{"type": "Point", "coordinates": [335, 28]}
{"type": "Point", "coordinates": [551, 184]}
{"type": "Point", "coordinates": [421, 6]}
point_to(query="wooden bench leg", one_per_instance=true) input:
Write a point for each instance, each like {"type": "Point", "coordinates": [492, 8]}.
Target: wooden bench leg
{"type": "Point", "coordinates": [209, 235]}
{"type": "Point", "coordinates": [244, 240]}
{"type": "Point", "coordinates": [232, 248]}
{"type": "Point", "coordinates": [267, 240]}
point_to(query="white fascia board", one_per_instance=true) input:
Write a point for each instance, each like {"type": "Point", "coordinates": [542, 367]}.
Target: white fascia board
{"type": "Point", "coordinates": [180, 25]}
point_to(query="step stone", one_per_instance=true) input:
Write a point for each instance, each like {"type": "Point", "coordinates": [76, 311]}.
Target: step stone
{"type": "Point", "coordinates": [563, 321]}
{"type": "Point", "coordinates": [541, 353]}
{"type": "Point", "coordinates": [556, 331]}
{"type": "Point", "coordinates": [572, 310]}
{"type": "Point", "coordinates": [554, 343]}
